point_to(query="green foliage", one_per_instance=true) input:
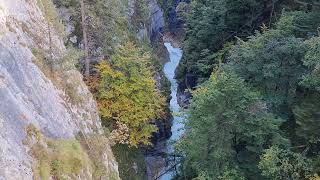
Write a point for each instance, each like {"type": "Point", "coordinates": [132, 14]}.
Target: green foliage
{"type": "Point", "coordinates": [212, 23]}
{"type": "Point", "coordinates": [231, 174]}
{"type": "Point", "coordinates": [140, 15]}
{"type": "Point", "coordinates": [312, 61]}
{"type": "Point", "coordinates": [278, 164]}
{"type": "Point", "coordinates": [307, 117]}
{"type": "Point", "coordinates": [106, 23]}
{"type": "Point", "coordinates": [302, 24]}
{"type": "Point", "coordinates": [205, 21]}
{"type": "Point", "coordinates": [70, 59]}
{"type": "Point", "coordinates": [273, 64]}
{"type": "Point", "coordinates": [128, 99]}
{"type": "Point", "coordinates": [97, 147]}
{"type": "Point", "coordinates": [55, 158]}
{"type": "Point", "coordinates": [285, 70]}
{"type": "Point", "coordinates": [276, 71]}
{"type": "Point", "coordinates": [202, 176]}
{"type": "Point", "coordinates": [51, 16]}
{"type": "Point", "coordinates": [67, 158]}
{"type": "Point", "coordinates": [228, 126]}
{"type": "Point", "coordinates": [108, 27]}
{"type": "Point", "coordinates": [66, 3]}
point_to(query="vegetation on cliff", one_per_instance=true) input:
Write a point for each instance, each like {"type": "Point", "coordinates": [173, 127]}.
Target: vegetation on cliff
{"type": "Point", "coordinates": [66, 158]}
{"type": "Point", "coordinates": [123, 72]}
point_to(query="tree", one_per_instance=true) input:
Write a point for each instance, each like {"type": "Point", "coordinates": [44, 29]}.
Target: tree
{"type": "Point", "coordinates": [227, 126]}
{"type": "Point", "coordinates": [53, 25]}
{"type": "Point", "coordinates": [108, 26]}
{"type": "Point", "coordinates": [300, 24]}
{"type": "Point", "coordinates": [306, 111]}
{"type": "Point", "coordinates": [85, 38]}
{"type": "Point", "coordinates": [205, 29]}
{"type": "Point", "coordinates": [272, 63]}
{"type": "Point", "coordinates": [275, 70]}
{"type": "Point", "coordinates": [279, 164]}
{"type": "Point", "coordinates": [307, 118]}
{"type": "Point", "coordinates": [312, 61]}
{"type": "Point", "coordinates": [212, 23]}
{"type": "Point", "coordinates": [128, 99]}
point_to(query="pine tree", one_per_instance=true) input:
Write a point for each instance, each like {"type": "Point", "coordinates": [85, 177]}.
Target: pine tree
{"type": "Point", "coordinates": [228, 126]}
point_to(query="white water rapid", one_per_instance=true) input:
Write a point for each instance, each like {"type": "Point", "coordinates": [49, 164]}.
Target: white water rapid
{"type": "Point", "coordinates": [177, 123]}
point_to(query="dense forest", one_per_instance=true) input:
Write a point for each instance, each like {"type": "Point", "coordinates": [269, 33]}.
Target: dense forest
{"type": "Point", "coordinates": [86, 94]}
{"type": "Point", "coordinates": [251, 66]}
{"type": "Point", "coordinates": [253, 69]}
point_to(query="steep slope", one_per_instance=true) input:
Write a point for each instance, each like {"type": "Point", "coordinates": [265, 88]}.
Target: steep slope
{"type": "Point", "coordinates": [59, 105]}
{"type": "Point", "coordinates": [156, 18]}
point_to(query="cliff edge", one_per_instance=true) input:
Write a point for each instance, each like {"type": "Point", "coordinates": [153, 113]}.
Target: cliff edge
{"type": "Point", "coordinates": [52, 98]}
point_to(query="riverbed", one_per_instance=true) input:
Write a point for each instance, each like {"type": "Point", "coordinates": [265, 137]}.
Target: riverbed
{"type": "Point", "coordinates": [159, 160]}
{"type": "Point", "coordinates": [175, 55]}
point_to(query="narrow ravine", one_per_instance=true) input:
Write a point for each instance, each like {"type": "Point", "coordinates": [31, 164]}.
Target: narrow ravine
{"type": "Point", "coordinates": [175, 55]}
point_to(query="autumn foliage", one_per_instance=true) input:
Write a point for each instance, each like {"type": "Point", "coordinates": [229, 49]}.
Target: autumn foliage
{"type": "Point", "coordinates": [127, 96]}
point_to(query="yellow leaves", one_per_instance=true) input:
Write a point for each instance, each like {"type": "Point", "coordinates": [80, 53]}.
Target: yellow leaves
{"type": "Point", "coordinates": [106, 70]}
{"type": "Point", "coordinates": [128, 95]}
{"type": "Point", "coordinates": [201, 90]}
{"type": "Point", "coordinates": [314, 177]}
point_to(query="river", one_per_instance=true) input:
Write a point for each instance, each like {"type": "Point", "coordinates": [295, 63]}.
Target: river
{"type": "Point", "coordinates": [175, 55]}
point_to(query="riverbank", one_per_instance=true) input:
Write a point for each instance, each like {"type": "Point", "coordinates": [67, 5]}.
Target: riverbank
{"type": "Point", "coordinates": [157, 158]}
{"type": "Point", "coordinates": [160, 162]}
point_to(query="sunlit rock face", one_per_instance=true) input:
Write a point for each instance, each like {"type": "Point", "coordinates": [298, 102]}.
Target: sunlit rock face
{"type": "Point", "coordinates": [29, 96]}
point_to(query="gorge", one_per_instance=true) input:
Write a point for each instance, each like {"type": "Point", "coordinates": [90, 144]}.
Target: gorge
{"type": "Point", "coordinates": [159, 89]}
{"type": "Point", "coordinates": [175, 55]}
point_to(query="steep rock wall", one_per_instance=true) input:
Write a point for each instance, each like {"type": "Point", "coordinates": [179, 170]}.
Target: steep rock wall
{"type": "Point", "coordinates": [156, 19]}
{"type": "Point", "coordinates": [28, 96]}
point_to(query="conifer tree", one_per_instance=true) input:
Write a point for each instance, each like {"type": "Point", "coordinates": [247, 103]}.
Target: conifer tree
{"type": "Point", "coordinates": [228, 127]}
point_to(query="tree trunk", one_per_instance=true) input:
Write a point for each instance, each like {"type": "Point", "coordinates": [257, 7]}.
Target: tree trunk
{"type": "Point", "coordinates": [51, 61]}
{"type": "Point", "coordinates": [271, 14]}
{"type": "Point", "coordinates": [85, 39]}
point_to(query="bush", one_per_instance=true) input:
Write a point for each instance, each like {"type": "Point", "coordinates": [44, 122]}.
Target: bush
{"type": "Point", "coordinates": [55, 158]}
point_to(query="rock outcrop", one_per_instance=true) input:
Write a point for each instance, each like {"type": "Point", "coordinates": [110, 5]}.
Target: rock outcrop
{"type": "Point", "coordinates": [156, 19]}
{"type": "Point", "coordinates": [29, 96]}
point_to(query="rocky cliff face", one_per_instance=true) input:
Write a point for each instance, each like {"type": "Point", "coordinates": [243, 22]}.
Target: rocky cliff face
{"type": "Point", "coordinates": [174, 22]}
{"type": "Point", "coordinates": [156, 18]}
{"type": "Point", "coordinates": [29, 96]}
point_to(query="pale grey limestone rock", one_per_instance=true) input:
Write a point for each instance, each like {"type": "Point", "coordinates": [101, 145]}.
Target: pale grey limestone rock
{"type": "Point", "coordinates": [27, 96]}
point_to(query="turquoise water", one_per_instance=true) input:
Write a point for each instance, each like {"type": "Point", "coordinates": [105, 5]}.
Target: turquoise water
{"type": "Point", "coordinates": [177, 123]}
